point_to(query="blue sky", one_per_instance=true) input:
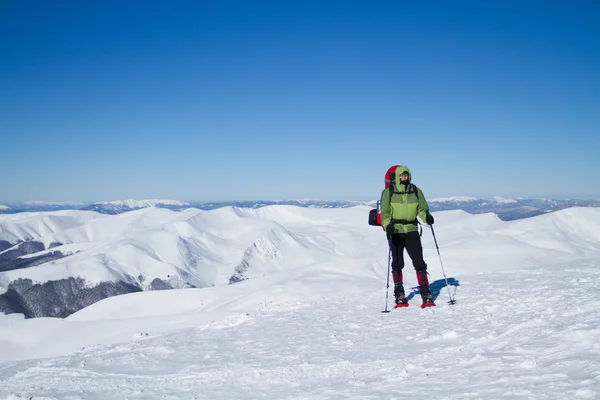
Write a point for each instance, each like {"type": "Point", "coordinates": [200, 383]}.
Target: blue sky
{"type": "Point", "coordinates": [224, 100]}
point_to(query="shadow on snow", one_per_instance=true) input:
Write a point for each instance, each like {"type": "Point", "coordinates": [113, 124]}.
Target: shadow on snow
{"type": "Point", "coordinates": [435, 287]}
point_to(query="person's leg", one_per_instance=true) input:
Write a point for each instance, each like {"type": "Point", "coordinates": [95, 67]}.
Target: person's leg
{"type": "Point", "coordinates": [415, 251]}
{"type": "Point", "coordinates": [397, 248]}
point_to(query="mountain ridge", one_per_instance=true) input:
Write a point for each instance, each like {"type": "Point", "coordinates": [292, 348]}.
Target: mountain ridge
{"type": "Point", "coordinates": [507, 209]}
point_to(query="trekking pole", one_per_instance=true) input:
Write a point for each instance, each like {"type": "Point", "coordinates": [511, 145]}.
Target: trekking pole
{"type": "Point", "coordinates": [387, 290]}
{"type": "Point", "coordinates": [452, 301]}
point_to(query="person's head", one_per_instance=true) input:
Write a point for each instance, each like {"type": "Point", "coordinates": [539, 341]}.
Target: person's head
{"type": "Point", "coordinates": [403, 175]}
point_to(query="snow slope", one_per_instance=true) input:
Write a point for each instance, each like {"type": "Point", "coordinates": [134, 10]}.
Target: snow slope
{"type": "Point", "coordinates": [34, 225]}
{"type": "Point", "coordinates": [207, 247]}
{"type": "Point", "coordinates": [525, 325]}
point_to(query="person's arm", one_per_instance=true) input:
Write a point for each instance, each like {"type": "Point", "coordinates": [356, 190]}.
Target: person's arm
{"type": "Point", "coordinates": [422, 207]}
{"type": "Point", "coordinates": [386, 216]}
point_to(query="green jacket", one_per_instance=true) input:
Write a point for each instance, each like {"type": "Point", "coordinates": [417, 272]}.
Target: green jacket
{"type": "Point", "coordinates": [405, 204]}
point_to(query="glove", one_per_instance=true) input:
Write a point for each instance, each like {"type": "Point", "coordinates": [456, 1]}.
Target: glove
{"type": "Point", "coordinates": [429, 219]}
{"type": "Point", "coordinates": [389, 229]}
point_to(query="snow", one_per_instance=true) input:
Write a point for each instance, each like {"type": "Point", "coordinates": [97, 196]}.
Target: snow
{"type": "Point", "coordinates": [503, 200]}
{"type": "Point", "coordinates": [34, 225]}
{"type": "Point", "coordinates": [4, 207]}
{"type": "Point", "coordinates": [308, 322]}
{"type": "Point", "coordinates": [131, 203]}
{"type": "Point", "coordinates": [464, 199]}
{"type": "Point", "coordinates": [452, 199]}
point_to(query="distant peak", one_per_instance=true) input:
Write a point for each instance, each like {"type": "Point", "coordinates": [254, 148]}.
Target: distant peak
{"type": "Point", "coordinates": [132, 203]}
{"type": "Point", "coordinates": [504, 200]}
{"type": "Point", "coordinates": [451, 199]}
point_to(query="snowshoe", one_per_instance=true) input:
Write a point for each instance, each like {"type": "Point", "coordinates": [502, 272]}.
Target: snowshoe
{"type": "Point", "coordinates": [401, 301]}
{"type": "Point", "coordinates": [427, 301]}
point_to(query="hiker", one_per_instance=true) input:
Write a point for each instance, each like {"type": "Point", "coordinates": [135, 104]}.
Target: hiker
{"type": "Point", "coordinates": [401, 203]}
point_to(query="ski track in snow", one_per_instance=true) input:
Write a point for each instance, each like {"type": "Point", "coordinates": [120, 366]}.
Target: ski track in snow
{"type": "Point", "coordinates": [519, 334]}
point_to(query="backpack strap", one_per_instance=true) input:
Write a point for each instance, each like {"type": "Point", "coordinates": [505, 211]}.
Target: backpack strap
{"type": "Point", "coordinates": [412, 189]}
{"type": "Point", "coordinates": [416, 190]}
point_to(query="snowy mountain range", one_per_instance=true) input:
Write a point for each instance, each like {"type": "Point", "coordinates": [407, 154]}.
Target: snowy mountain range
{"type": "Point", "coordinates": [56, 263]}
{"type": "Point", "coordinates": [36, 206]}
{"type": "Point", "coordinates": [119, 207]}
{"type": "Point", "coordinates": [507, 209]}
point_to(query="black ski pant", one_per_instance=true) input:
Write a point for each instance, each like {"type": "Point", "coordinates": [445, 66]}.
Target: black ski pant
{"type": "Point", "coordinates": [410, 241]}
